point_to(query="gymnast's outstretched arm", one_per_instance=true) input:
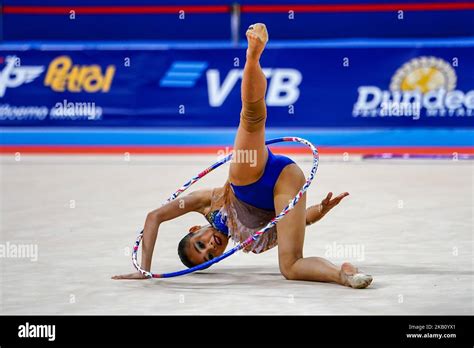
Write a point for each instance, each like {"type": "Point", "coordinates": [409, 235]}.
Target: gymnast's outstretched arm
{"type": "Point", "coordinates": [196, 201]}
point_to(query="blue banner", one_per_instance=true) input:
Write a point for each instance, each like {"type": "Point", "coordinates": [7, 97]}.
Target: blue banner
{"type": "Point", "coordinates": [354, 86]}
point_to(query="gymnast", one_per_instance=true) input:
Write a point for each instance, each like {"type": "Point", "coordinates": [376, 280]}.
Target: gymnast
{"type": "Point", "coordinates": [254, 191]}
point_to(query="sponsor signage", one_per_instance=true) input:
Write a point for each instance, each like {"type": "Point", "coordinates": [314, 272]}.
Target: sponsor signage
{"type": "Point", "coordinates": [307, 87]}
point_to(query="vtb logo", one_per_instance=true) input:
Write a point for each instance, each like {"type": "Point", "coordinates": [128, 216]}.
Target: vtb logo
{"type": "Point", "coordinates": [283, 88]}
{"type": "Point", "coordinates": [14, 75]}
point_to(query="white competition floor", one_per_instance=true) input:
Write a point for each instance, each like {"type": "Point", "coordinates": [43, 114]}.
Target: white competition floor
{"type": "Point", "coordinates": [408, 223]}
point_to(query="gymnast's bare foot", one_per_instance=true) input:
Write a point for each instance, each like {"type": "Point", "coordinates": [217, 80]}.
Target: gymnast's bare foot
{"type": "Point", "coordinates": [351, 277]}
{"type": "Point", "coordinates": [257, 37]}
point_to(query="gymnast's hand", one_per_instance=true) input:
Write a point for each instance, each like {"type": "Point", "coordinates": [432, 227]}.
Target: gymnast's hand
{"type": "Point", "coordinates": [316, 212]}
{"type": "Point", "coordinates": [135, 275]}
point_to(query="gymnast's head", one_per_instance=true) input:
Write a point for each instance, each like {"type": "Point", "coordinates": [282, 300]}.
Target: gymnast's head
{"type": "Point", "coordinates": [201, 244]}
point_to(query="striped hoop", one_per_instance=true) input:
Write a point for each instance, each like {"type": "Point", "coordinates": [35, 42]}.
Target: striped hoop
{"type": "Point", "coordinates": [249, 240]}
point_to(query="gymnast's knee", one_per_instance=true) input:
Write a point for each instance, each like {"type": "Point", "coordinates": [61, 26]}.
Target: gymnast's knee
{"type": "Point", "coordinates": [288, 269]}
{"type": "Point", "coordinates": [152, 216]}
{"type": "Point", "coordinates": [253, 115]}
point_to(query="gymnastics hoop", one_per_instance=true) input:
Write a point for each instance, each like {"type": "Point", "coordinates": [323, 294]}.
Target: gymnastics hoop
{"type": "Point", "coordinates": [250, 239]}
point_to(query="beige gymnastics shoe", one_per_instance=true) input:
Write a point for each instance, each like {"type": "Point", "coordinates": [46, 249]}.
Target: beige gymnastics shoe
{"type": "Point", "coordinates": [257, 37]}
{"type": "Point", "coordinates": [353, 278]}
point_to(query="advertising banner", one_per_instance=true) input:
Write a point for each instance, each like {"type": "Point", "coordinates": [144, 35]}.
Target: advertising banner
{"type": "Point", "coordinates": [307, 87]}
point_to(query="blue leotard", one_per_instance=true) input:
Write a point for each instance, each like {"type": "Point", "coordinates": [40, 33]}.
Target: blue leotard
{"type": "Point", "coordinates": [260, 193]}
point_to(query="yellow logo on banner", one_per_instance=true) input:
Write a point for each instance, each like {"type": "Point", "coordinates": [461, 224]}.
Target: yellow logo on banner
{"type": "Point", "coordinates": [424, 79]}
{"type": "Point", "coordinates": [424, 74]}
{"type": "Point", "coordinates": [63, 76]}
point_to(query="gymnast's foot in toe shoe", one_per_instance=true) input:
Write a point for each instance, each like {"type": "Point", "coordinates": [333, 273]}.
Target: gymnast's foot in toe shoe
{"type": "Point", "coordinates": [351, 277]}
{"type": "Point", "coordinates": [257, 37]}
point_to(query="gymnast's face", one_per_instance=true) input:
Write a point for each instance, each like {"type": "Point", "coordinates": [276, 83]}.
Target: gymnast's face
{"type": "Point", "coordinates": [205, 244]}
